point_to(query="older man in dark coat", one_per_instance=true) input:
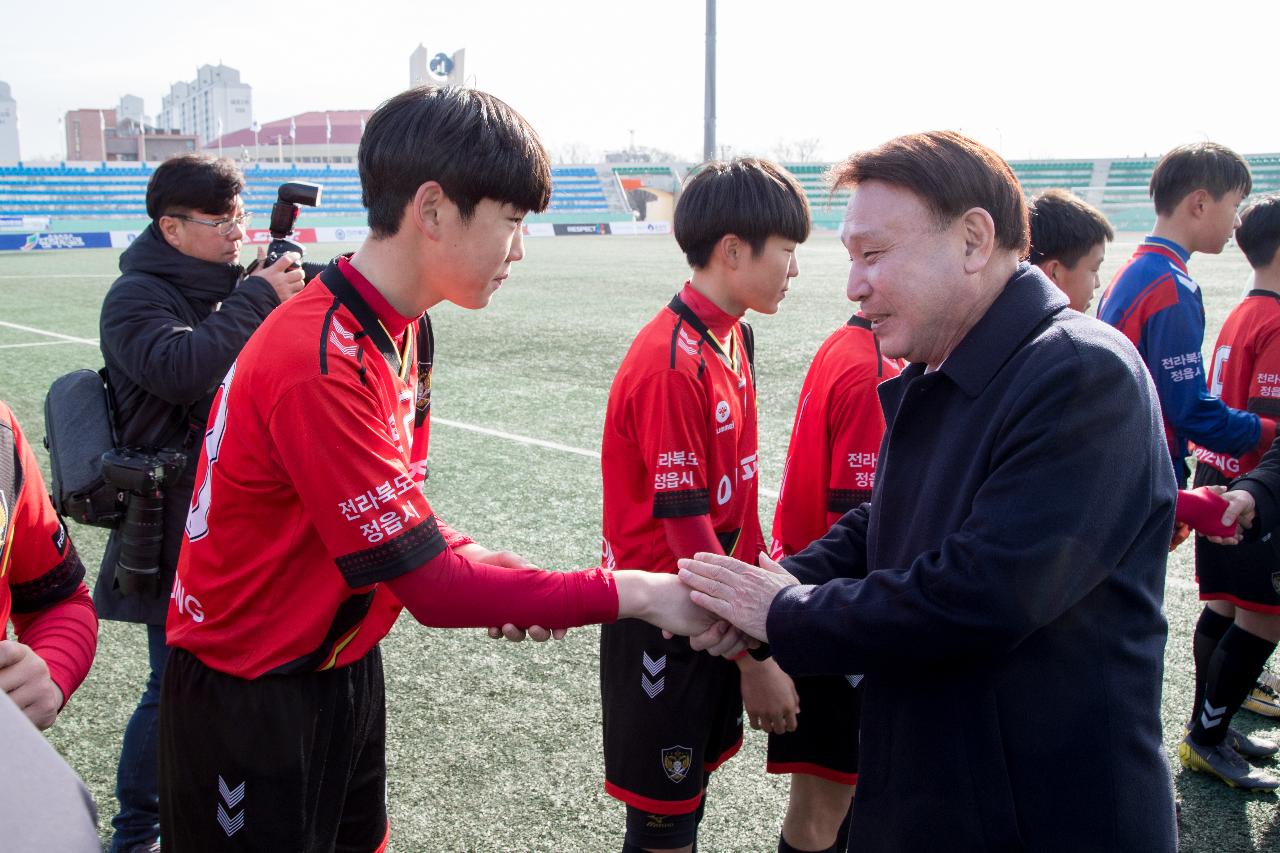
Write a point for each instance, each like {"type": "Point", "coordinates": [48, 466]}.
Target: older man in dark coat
{"type": "Point", "coordinates": [1002, 591]}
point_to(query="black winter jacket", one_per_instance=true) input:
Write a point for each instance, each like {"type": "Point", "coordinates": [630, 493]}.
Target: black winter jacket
{"type": "Point", "coordinates": [1002, 594]}
{"type": "Point", "coordinates": [171, 327]}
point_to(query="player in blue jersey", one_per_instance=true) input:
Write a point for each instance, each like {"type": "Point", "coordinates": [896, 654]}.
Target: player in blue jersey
{"type": "Point", "coordinates": [1156, 304]}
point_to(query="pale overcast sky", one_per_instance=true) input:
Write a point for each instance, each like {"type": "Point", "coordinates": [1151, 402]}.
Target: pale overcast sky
{"type": "Point", "coordinates": [1079, 78]}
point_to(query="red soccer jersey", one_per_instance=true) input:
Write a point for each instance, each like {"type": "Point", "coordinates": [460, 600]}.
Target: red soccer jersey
{"type": "Point", "coordinates": [309, 490]}
{"type": "Point", "coordinates": [680, 440]}
{"type": "Point", "coordinates": [835, 441]}
{"type": "Point", "coordinates": [38, 563]}
{"type": "Point", "coordinates": [1246, 372]}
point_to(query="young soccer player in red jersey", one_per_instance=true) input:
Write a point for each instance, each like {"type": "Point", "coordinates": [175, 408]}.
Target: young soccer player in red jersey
{"type": "Point", "coordinates": [1240, 625]}
{"type": "Point", "coordinates": [830, 469]}
{"type": "Point", "coordinates": [308, 530]}
{"type": "Point", "coordinates": [41, 589]}
{"type": "Point", "coordinates": [681, 476]}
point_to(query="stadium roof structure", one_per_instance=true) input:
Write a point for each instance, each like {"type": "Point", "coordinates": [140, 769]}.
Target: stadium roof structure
{"type": "Point", "coordinates": [345, 127]}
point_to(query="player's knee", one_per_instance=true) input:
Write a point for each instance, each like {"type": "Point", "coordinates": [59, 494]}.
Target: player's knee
{"type": "Point", "coordinates": [815, 811]}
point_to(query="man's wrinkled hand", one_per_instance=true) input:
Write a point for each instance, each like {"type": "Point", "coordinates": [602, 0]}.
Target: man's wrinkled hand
{"type": "Point", "coordinates": [735, 591]}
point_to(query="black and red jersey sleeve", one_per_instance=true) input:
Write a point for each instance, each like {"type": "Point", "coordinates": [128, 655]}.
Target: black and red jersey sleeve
{"type": "Point", "coordinates": [670, 421]}
{"type": "Point", "coordinates": [855, 424]}
{"type": "Point", "coordinates": [340, 450]}
{"type": "Point", "coordinates": [41, 565]}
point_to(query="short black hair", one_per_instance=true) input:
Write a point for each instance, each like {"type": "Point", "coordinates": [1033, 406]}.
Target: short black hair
{"type": "Point", "coordinates": [950, 173]}
{"type": "Point", "coordinates": [468, 141]}
{"type": "Point", "coordinates": [1198, 166]}
{"type": "Point", "coordinates": [1259, 233]}
{"type": "Point", "coordinates": [1065, 228]}
{"type": "Point", "coordinates": [748, 197]}
{"type": "Point", "coordinates": [193, 182]}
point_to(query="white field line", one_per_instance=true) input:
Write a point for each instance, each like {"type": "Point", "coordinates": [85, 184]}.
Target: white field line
{"type": "Point", "coordinates": [67, 338]}
{"type": "Point", "coordinates": [67, 275]}
{"type": "Point", "coordinates": [538, 442]}
{"type": "Point", "coordinates": [37, 344]}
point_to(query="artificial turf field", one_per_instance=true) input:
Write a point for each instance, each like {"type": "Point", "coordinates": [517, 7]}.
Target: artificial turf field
{"type": "Point", "coordinates": [494, 746]}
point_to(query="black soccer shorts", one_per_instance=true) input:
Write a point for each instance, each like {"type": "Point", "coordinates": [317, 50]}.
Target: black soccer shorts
{"type": "Point", "coordinates": [825, 742]}
{"type": "Point", "coordinates": [286, 762]}
{"type": "Point", "coordinates": [1246, 575]}
{"type": "Point", "coordinates": [671, 715]}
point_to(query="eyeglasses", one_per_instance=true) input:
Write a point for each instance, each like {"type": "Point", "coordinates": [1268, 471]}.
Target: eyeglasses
{"type": "Point", "coordinates": [225, 227]}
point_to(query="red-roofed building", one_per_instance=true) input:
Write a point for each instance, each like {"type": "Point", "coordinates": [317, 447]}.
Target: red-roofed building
{"type": "Point", "coordinates": [312, 137]}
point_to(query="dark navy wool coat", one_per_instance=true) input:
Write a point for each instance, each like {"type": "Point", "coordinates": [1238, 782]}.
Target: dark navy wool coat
{"type": "Point", "coordinates": [1002, 593]}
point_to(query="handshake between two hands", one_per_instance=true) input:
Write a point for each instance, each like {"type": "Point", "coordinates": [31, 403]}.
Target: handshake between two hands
{"type": "Point", "coordinates": [719, 603]}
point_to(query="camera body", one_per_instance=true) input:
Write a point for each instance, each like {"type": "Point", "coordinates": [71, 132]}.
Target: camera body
{"type": "Point", "coordinates": [284, 213]}
{"type": "Point", "coordinates": [138, 476]}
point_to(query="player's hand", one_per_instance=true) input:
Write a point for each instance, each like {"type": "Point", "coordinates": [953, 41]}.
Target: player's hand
{"type": "Point", "coordinates": [1241, 510]}
{"type": "Point", "coordinates": [736, 591]}
{"type": "Point", "coordinates": [768, 696]}
{"type": "Point", "coordinates": [535, 632]}
{"type": "Point", "coordinates": [477, 553]}
{"type": "Point", "coordinates": [661, 600]}
{"type": "Point", "coordinates": [1181, 531]}
{"type": "Point", "coordinates": [24, 676]}
{"type": "Point", "coordinates": [720, 640]}
{"type": "Point", "coordinates": [284, 281]}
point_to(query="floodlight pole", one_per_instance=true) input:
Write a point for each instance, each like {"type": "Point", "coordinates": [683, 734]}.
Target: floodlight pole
{"type": "Point", "coordinates": [709, 109]}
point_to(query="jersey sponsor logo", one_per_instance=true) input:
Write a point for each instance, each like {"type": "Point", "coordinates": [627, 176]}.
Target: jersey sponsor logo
{"type": "Point", "coordinates": [186, 603]}
{"type": "Point", "coordinates": [1224, 463]}
{"type": "Point", "coordinates": [59, 538]}
{"type": "Point", "coordinates": [676, 761]}
{"type": "Point", "coordinates": [750, 465]}
{"type": "Point", "coordinates": [1182, 368]}
{"type": "Point", "coordinates": [342, 340]}
{"type": "Point", "coordinates": [722, 411]}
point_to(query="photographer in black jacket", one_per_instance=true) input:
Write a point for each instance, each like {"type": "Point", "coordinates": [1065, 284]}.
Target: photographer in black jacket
{"type": "Point", "coordinates": [171, 326]}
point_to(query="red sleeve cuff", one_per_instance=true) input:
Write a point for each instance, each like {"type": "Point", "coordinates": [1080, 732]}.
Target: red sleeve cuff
{"type": "Point", "coordinates": [65, 636]}
{"type": "Point", "coordinates": [453, 538]}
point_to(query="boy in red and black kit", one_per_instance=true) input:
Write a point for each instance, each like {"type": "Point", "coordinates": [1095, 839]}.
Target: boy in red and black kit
{"type": "Point", "coordinates": [681, 476]}
{"type": "Point", "coordinates": [41, 588]}
{"type": "Point", "coordinates": [1240, 625]}
{"type": "Point", "coordinates": [309, 530]}
{"type": "Point", "coordinates": [830, 469]}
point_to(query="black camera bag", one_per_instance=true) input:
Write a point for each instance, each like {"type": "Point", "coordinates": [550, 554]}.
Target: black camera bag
{"type": "Point", "coordinates": [79, 428]}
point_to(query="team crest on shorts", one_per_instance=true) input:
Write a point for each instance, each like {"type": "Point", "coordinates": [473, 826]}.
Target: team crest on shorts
{"type": "Point", "coordinates": [675, 762]}
{"type": "Point", "coordinates": [1275, 577]}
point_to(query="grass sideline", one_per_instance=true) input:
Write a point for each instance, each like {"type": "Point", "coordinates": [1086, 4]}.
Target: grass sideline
{"type": "Point", "coordinates": [493, 746]}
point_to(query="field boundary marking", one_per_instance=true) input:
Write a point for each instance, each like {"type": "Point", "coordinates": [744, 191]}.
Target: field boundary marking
{"type": "Point", "coordinates": [37, 344]}
{"type": "Point", "coordinates": [11, 277]}
{"type": "Point", "coordinates": [67, 338]}
{"type": "Point", "coordinates": [540, 442]}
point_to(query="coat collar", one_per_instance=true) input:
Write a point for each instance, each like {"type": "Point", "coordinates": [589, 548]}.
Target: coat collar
{"type": "Point", "coordinates": [1026, 302]}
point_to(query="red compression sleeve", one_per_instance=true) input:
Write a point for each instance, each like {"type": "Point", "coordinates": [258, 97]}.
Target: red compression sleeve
{"type": "Point", "coordinates": [1202, 510]}
{"type": "Point", "coordinates": [65, 636]}
{"type": "Point", "coordinates": [450, 591]}
{"type": "Point", "coordinates": [687, 536]}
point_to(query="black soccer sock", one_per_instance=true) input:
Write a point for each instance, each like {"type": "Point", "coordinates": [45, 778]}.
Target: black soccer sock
{"type": "Point", "coordinates": [1233, 670]}
{"type": "Point", "coordinates": [1209, 631]}
{"type": "Point", "coordinates": [784, 847]}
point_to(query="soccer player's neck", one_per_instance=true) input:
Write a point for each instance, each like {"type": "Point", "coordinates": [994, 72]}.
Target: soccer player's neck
{"type": "Point", "coordinates": [1268, 278]}
{"type": "Point", "coordinates": [1176, 229]}
{"type": "Point", "coordinates": [714, 300]}
{"type": "Point", "coordinates": [394, 271]}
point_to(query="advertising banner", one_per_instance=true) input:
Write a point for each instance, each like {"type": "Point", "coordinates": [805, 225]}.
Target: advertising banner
{"type": "Point", "coordinates": [37, 242]}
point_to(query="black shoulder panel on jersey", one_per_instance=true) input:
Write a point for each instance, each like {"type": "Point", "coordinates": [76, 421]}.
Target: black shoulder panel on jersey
{"type": "Point", "coordinates": [338, 285]}
{"type": "Point", "coordinates": [682, 504]}
{"type": "Point", "coordinates": [749, 347]}
{"type": "Point", "coordinates": [842, 500]}
{"type": "Point", "coordinates": [325, 327]}
{"type": "Point", "coordinates": [394, 557]}
{"type": "Point", "coordinates": [347, 617]}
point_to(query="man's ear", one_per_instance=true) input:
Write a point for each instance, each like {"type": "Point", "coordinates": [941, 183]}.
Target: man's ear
{"type": "Point", "coordinates": [171, 229]}
{"type": "Point", "coordinates": [1197, 201]}
{"type": "Point", "coordinates": [979, 231]}
{"type": "Point", "coordinates": [425, 208]}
